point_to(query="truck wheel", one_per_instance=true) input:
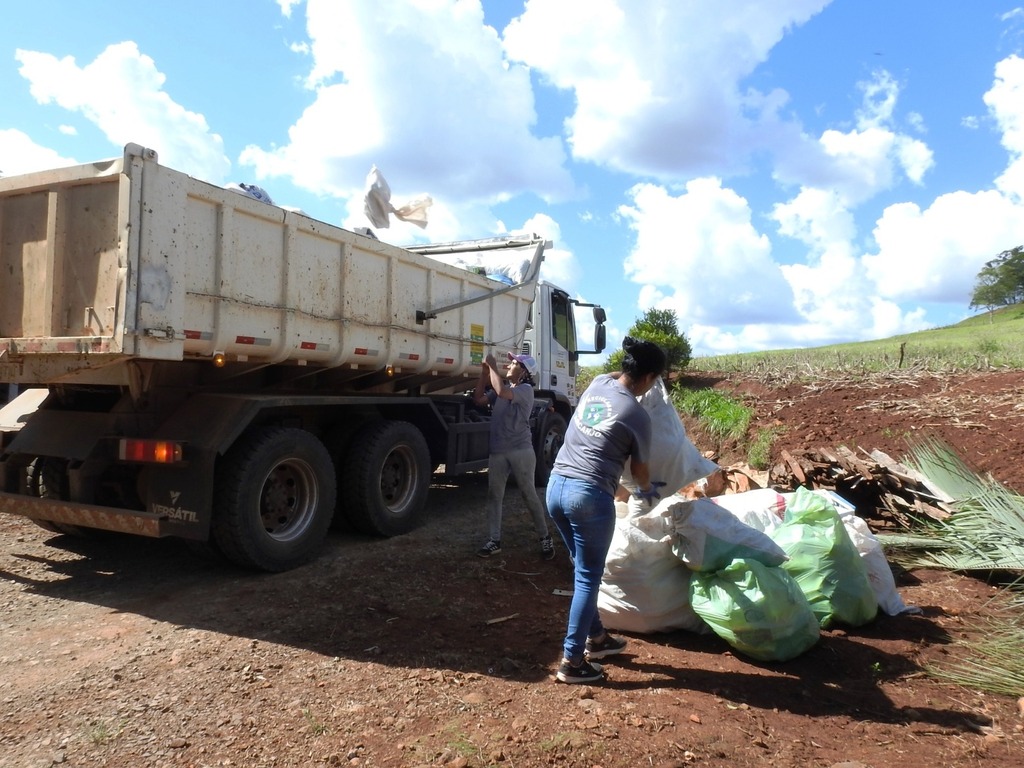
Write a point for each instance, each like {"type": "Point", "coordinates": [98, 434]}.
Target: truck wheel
{"type": "Point", "coordinates": [387, 471]}
{"type": "Point", "coordinates": [550, 437]}
{"type": "Point", "coordinates": [274, 500]}
{"type": "Point", "coordinates": [48, 479]}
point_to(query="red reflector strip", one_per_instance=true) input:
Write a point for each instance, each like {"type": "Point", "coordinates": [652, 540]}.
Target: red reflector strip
{"type": "Point", "coordinates": [67, 346]}
{"type": "Point", "coordinates": [245, 339]}
{"type": "Point", "coordinates": [194, 335]}
{"type": "Point", "coordinates": [150, 451]}
{"type": "Point", "coordinates": [362, 351]}
{"type": "Point", "coordinates": [408, 356]}
{"type": "Point", "coordinates": [307, 345]}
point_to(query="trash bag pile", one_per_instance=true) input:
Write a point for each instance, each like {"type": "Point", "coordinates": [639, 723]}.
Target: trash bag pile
{"type": "Point", "coordinates": [764, 571]}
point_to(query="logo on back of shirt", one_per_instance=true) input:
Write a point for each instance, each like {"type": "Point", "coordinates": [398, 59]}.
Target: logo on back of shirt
{"type": "Point", "coordinates": [591, 414]}
{"type": "Point", "coordinates": [594, 413]}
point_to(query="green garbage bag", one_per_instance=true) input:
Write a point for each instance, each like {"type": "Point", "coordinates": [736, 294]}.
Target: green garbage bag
{"type": "Point", "coordinates": [758, 609]}
{"type": "Point", "coordinates": [825, 562]}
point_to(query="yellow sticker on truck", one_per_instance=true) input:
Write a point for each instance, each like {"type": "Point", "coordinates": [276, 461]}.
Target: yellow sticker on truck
{"type": "Point", "coordinates": [476, 343]}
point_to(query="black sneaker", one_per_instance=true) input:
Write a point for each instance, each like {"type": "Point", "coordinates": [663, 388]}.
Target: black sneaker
{"type": "Point", "coordinates": [607, 647]}
{"type": "Point", "coordinates": [492, 547]}
{"type": "Point", "coordinates": [584, 673]}
{"type": "Point", "coordinates": [547, 548]}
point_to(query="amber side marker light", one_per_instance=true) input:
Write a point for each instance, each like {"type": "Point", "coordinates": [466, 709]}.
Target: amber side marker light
{"type": "Point", "coordinates": [150, 451]}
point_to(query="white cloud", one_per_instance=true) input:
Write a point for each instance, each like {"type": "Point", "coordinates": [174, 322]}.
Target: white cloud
{"type": "Point", "coordinates": [1005, 102]}
{"type": "Point", "coordinates": [934, 254]}
{"type": "Point", "coordinates": [704, 256]}
{"type": "Point", "coordinates": [20, 154]}
{"type": "Point", "coordinates": [121, 92]}
{"type": "Point", "coordinates": [829, 291]}
{"type": "Point", "coordinates": [286, 7]}
{"type": "Point", "coordinates": [700, 255]}
{"type": "Point", "coordinates": [658, 85]}
{"type": "Point", "coordinates": [816, 217]}
{"type": "Point", "coordinates": [422, 87]}
{"type": "Point", "coordinates": [923, 256]}
{"type": "Point", "coordinates": [560, 266]}
{"type": "Point", "coordinates": [863, 161]}
{"type": "Point", "coordinates": [661, 90]}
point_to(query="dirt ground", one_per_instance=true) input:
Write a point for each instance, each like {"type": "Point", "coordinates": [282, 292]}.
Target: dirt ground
{"type": "Point", "coordinates": [414, 652]}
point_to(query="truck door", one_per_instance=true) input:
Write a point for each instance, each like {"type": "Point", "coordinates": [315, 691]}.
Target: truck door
{"type": "Point", "coordinates": [551, 340]}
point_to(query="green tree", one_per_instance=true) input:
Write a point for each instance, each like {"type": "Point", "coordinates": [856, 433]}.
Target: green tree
{"type": "Point", "coordinates": [1001, 281]}
{"type": "Point", "coordinates": [659, 326]}
{"type": "Point", "coordinates": [586, 375]}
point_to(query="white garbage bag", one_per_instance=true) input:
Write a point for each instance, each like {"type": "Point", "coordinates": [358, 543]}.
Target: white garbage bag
{"type": "Point", "coordinates": [674, 459]}
{"type": "Point", "coordinates": [645, 588]}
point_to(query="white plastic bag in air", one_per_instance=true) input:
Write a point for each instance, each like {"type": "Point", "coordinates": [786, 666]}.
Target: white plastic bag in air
{"type": "Point", "coordinates": [378, 208]}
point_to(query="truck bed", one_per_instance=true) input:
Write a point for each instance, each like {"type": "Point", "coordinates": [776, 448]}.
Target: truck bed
{"type": "Point", "coordinates": [126, 260]}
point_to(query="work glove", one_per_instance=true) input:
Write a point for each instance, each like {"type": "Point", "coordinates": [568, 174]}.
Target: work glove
{"type": "Point", "coordinates": [651, 494]}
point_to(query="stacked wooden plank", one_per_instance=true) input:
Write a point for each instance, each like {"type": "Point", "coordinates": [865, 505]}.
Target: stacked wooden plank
{"type": "Point", "coordinates": [883, 490]}
{"type": "Point", "coordinates": [878, 486]}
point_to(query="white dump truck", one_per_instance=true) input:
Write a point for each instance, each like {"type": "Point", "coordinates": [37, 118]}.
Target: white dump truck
{"type": "Point", "coordinates": [192, 362]}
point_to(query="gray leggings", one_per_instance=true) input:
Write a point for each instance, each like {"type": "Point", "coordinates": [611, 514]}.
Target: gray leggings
{"type": "Point", "coordinates": [520, 464]}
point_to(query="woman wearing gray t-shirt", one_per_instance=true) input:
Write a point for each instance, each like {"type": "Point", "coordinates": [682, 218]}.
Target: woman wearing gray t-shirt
{"type": "Point", "coordinates": [608, 427]}
{"type": "Point", "coordinates": [511, 446]}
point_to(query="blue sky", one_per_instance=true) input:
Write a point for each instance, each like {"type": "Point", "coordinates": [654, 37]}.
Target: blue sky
{"type": "Point", "coordinates": [781, 173]}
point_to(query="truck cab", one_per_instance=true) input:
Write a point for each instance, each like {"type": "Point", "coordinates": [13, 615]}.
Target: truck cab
{"type": "Point", "coordinates": [553, 339]}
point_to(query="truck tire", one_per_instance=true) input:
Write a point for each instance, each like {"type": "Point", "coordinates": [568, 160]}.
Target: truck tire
{"type": "Point", "coordinates": [48, 479]}
{"type": "Point", "coordinates": [274, 499]}
{"type": "Point", "coordinates": [386, 473]}
{"type": "Point", "coordinates": [550, 437]}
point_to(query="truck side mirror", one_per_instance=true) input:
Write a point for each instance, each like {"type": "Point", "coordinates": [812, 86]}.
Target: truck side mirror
{"type": "Point", "coordinates": [599, 337]}
{"type": "Point", "coordinates": [599, 315]}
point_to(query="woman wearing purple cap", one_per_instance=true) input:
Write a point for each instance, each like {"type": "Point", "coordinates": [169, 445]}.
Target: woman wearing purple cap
{"type": "Point", "coordinates": [511, 446]}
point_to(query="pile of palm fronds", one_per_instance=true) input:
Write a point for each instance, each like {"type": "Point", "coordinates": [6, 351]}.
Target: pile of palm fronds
{"type": "Point", "coordinates": [990, 659]}
{"type": "Point", "coordinates": [984, 533]}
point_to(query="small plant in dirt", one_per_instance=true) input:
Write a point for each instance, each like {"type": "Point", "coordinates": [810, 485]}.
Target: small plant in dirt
{"type": "Point", "coordinates": [316, 726]}
{"type": "Point", "coordinates": [890, 433]}
{"type": "Point", "coordinates": [102, 732]}
{"type": "Point", "coordinates": [722, 417]}
{"type": "Point", "coordinates": [460, 743]}
{"type": "Point", "coordinates": [759, 453]}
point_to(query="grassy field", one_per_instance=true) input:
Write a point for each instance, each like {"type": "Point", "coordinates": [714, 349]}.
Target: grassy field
{"type": "Point", "coordinates": [988, 340]}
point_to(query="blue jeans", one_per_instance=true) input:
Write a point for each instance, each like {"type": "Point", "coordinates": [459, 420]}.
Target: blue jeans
{"type": "Point", "coordinates": [585, 517]}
